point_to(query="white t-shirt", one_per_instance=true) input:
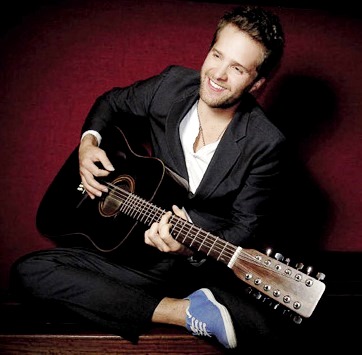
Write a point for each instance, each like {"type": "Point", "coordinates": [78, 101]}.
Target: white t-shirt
{"type": "Point", "coordinates": [198, 162]}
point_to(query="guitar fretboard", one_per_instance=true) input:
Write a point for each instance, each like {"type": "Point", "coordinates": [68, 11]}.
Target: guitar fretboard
{"type": "Point", "coordinates": [183, 231]}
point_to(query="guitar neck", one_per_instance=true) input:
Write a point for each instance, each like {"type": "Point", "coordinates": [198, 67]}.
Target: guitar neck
{"type": "Point", "coordinates": [183, 231]}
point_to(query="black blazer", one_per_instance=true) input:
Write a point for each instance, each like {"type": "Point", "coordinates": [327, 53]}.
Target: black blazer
{"type": "Point", "coordinates": [234, 196]}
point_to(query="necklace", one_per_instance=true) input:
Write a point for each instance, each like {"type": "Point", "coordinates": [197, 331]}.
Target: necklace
{"type": "Point", "coordinates": [201, 131]}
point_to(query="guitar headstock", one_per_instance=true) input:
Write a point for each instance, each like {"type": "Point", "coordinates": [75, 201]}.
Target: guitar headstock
{"type": "Point", "coordinates": [275, 278]}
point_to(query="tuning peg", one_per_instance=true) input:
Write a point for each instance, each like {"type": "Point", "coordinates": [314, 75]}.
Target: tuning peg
{"type": "Point", "coordinates": [309, 270]}
{"type": "Point", "coordinates": [299, 266]}
{"type": "Point", "coordinates": [257, 295]}
{"type": "Point", "coordinates": [268, 252]}
{"type": "Point", "coordinates": [272, 304]}
{"type": "Point", "coordinates": [320, 276]}
{"type": "Point", "coordinates": [279, 256]}
{"type": "Point", "coordinates": [286, 312]}
{"type": "Point", "coordinates": [287, 261]}
{"type": "Point", "coordinates": [297, 319]}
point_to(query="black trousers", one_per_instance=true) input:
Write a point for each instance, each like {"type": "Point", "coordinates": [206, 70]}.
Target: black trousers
{"type": "Point", "coordinates": [121, 298]}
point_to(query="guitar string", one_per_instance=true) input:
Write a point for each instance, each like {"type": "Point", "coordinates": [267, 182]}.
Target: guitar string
{"type": "Point", "coordinates": [218, 245]}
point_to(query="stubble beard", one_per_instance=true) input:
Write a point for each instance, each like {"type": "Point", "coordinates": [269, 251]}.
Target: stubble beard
{"type": "Point", "coordinates": [223, 102]}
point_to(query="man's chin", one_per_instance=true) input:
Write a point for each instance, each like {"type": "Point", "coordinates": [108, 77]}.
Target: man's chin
{"type": "Point", "coordinates": [220, 104]}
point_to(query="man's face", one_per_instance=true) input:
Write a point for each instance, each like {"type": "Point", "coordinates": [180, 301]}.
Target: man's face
{"type": "Point", "coordinates": [230, 68]}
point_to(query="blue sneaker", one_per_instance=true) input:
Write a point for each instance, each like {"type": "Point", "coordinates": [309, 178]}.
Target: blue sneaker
{"type": "Point", "coordinates": [207, 317]}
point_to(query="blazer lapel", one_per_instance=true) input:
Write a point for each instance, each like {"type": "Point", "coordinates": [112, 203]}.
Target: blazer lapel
{"type": "Point", "coordinates": [177, 113]}
{"type": "Point", "coordinates": [227, 152]}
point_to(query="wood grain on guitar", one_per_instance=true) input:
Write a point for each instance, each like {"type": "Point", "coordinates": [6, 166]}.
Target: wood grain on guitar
{"type": "Point", "coordinates": [133, 198]}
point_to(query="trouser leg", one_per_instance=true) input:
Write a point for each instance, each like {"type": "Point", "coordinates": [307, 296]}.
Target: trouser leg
{"type": "Point", "coordinates": [116, 298]}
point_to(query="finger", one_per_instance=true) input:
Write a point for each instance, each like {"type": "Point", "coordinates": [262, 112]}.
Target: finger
{"type": "Point", "coordinates": [164, 227]}
{"type": "Point", "coordinates": [91, 185]}
{"type": "Point", "coordinates": [164, 220]}
{"type": "Point", "coordinates": [91, 166]}
{"type": "Point", "coordinates": [92, 192]}
{"type": "Point", "coordinates": [152, 234]}
{"type": "Point", "coordinates": [152, 238]}
{"type": "Point", "coordinates": [89, 156]}
{"type": "Point", "coordinates": [148, 240]}
{"type": "Point", "coordinates": [179, 212]}
{"type": "Point", "coordinates": [159, 235]}
{"type": "Point", "coordinates": [106, 163]}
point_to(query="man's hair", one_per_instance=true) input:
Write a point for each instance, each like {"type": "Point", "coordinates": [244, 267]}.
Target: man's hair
{"type": "Point", "coordinates": [261, 25]}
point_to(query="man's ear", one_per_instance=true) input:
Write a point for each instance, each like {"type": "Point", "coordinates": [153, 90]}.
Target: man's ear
{"type": "Point", "coordinates": [257, 85]}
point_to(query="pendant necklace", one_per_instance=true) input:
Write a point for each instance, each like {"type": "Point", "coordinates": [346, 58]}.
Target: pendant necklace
{"type": "Point", "coordinates": [201, 131]}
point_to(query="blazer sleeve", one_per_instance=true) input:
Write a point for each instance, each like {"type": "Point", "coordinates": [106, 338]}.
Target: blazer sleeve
{"type": "Point", "coordinates": [135, 100]}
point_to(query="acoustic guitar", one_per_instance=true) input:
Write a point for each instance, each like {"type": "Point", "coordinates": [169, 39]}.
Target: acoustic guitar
{"type": "Point", "coordinates": [137, 187]}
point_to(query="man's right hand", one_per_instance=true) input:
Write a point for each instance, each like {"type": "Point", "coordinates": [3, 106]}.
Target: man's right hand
{"type": "Point", "coordinates": [89, 154]}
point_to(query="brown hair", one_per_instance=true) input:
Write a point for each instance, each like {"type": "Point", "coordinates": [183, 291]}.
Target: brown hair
{"type": "Point", "coordinates": [264, 27]}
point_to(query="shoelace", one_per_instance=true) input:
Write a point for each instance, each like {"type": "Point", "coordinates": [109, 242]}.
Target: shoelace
{"type": "Point", "coordinates": [197, 327]}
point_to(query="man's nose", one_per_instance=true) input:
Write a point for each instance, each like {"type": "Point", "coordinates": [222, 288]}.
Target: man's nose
{"type": "Point", "coordinates": [221, 72]}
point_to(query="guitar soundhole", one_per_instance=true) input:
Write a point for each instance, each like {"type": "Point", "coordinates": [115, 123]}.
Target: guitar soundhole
{"type": "Point", "coordinates": [119, 190]}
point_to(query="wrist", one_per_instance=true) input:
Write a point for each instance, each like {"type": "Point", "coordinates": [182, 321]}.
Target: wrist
{"type": "Point", "coordinates": [92, 137]}
{"type": "Point", "coordinates": [89, 139]}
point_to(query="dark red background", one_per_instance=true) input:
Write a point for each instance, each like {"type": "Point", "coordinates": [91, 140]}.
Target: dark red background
{"type": "Point", "coordinates": [56, 59]}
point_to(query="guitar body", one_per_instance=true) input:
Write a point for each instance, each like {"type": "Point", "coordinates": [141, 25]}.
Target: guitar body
{"type": "Point", "coordinates": [68, 216]}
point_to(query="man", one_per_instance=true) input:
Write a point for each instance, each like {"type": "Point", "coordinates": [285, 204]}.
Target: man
{"type": "Point", "coordinates": [206, 127]}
